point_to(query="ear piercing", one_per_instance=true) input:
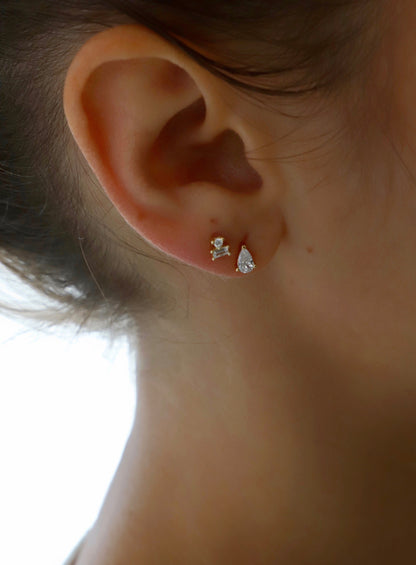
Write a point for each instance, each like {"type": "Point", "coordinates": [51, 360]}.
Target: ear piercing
{"type": "Point", "coordinates": [220, 250]}
{"type": "Point", "coordinates": [245, 263]}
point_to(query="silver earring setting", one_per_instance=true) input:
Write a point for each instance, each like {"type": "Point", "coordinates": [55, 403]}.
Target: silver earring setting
{"type": "Point", "coordinates": [245, 262]}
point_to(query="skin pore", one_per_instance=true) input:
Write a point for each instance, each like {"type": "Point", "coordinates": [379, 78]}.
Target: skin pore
{"type": "Point", "coordinates": [276, 412]}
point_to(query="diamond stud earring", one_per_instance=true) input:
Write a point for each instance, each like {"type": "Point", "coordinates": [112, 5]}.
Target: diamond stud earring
{"type": "Point", "coordinates": [245, 261]}
{"type": "Point", "coordinates": [220, 250]}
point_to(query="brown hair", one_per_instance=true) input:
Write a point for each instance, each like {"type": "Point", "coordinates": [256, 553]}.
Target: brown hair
{"type": "Point", "coordinates": [286, 48]}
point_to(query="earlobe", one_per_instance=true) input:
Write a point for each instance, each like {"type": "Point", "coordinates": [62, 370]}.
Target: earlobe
{"type": "Point", "coordinates": [157, 135]}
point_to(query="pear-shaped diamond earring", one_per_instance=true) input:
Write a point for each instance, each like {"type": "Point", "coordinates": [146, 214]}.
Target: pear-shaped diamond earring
{"type": "Point", "coordinates": [245, 261]}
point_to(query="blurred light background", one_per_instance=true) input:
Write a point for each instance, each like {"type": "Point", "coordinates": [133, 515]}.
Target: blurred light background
{"type": "Point", "coordinates": [66, 409]}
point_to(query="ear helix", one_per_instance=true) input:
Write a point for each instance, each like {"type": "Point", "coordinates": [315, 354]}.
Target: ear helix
{"type": "Point", "coordinates": [245, 262]}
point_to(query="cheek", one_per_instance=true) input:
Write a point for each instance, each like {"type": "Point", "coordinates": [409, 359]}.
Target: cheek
{"type": "Point", "coordinates": [349, 285]}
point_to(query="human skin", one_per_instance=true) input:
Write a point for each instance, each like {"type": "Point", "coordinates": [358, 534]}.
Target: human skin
{"type": "Point", "coordinates": [276, 411]}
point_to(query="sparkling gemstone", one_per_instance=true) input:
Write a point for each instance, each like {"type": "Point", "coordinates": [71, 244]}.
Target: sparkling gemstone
{"type": "Point", "coordinates": [218, 242]}
{"type": "Point", "coordinates": [221, 252]}
{"type": "Point", "coordinates": [245, 261]}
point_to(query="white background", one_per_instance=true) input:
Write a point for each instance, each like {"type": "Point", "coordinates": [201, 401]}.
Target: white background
{"type": "Point", "coordinates": [66, 409]}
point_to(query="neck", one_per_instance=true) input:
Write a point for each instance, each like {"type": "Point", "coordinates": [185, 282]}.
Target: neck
{"type": "Point", "coordinates": [240, 452]}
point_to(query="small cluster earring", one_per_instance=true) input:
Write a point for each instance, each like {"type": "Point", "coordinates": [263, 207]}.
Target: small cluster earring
{"type": "Point", "coordinates": [245, 262]}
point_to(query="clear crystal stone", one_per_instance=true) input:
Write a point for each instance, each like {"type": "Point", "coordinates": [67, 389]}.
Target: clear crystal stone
{"type": "Point", "coordinates": [218, 242]}
{"type": "Point", "coordinates": [221, 252]}
{"type": "Point", "coordinates": [245, 261]}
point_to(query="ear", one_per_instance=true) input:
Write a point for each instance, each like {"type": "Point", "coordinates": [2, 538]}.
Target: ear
{"type": "Point", "coordinates": [168, 150]}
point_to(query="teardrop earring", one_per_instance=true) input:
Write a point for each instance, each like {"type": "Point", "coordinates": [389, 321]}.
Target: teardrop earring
{"type": "Point", "coordinates": [245, 261]}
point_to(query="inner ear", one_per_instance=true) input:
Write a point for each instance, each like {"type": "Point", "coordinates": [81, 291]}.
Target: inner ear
{"type": "Point", "coordinates": [174, 160]}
